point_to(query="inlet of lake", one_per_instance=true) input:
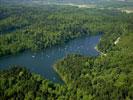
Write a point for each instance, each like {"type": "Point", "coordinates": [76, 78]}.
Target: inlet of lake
{"type": "Point", "coordinates": [42, 62]}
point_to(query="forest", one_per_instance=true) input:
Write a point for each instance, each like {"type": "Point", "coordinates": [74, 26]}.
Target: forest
{"type": "Point", "coordinates": [35, 28]}
{"type": "Point", "coordinates": [86, 78]}
{"type": "Point", "coordinates": [102, 78]}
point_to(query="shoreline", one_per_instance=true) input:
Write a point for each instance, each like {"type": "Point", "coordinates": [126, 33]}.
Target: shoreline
{"type": "Point", "coordinates": [104, 54]}
{"type": "Point", "coordinates": [101, 53]}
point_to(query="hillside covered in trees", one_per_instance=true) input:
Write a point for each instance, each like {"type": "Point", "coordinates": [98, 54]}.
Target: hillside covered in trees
{"type": "Point", "coordinates": [103, 78]}
{"type": "Point", "coordinates": [39, 27]}
{"type": "Point", "coordinates": [34, 28]}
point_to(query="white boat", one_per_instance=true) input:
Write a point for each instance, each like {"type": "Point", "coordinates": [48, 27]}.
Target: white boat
{"type": "Point", "coordinates": [33, 56]}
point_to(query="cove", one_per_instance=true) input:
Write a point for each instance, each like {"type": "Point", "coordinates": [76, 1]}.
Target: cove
{"type": "Point", "coordinates": [41, 62]}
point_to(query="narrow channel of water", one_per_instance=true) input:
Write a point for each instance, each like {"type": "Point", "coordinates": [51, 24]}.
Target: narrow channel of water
{"type": "Point", "coordinates": [41, 62]}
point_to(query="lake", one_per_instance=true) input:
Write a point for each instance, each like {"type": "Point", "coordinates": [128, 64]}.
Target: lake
{"type": "Point", "coordinates": [41, 62]}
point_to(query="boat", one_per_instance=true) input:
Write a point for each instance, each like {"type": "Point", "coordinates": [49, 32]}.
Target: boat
{"type": "Point", "coordinates": [33, 56]}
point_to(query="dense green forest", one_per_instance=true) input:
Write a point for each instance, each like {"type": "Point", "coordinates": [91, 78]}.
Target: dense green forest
{"type": "Point", "coordinates": [18, 83]}
{"type": "Point", "coordinates": [104, 78]}
{"type": "Point", "coordinates": [34, 28]}
{"type": "Point", "coordinates": [38, 27]}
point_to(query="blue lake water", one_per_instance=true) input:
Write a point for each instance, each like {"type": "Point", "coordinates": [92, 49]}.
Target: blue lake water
{"type": "Point", "coordinates": [41, 62]}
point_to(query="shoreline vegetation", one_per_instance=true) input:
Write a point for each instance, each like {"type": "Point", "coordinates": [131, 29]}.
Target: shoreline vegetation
{"type": "Point", "coordinates": [56, 70]}
{"type": "Point", "coordinates": [86, 78]}
{"type": "Point", "coordinates": [83, 77]}
{"type": "Point", "coordinates": [101, 53]}
{"type": "Point", "coordinates": [105, 54]}
{"type": "Point", "coordinates": [101, 70]}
